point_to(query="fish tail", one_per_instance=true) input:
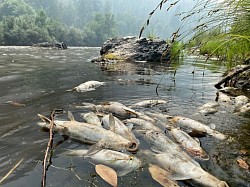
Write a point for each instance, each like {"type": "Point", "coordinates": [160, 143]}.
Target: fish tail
{"type": "Point", "coordinates": [71, 90]}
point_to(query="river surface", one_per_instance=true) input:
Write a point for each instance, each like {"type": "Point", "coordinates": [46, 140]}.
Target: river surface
{"type": "Point", "coordinates": [38, 78]}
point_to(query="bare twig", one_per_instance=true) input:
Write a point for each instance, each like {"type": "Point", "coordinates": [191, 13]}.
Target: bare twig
{"type": "Point", "coordinates": [49, 147]}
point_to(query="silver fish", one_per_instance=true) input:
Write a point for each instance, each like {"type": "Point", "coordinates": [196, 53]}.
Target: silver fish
{"type": "Point", "coordinates": [210, 104]}
{"type": "Point", "coordinates": [116, 110]}
{"type": "Point", "coordinates": [182, 169]}
{"type": "Point", "coordinates": [188, 143]}
{"type": "Point", "coordinates": [158, 116]}
{"type": "Point", "coordinates": [111, 122]}
{"type": "Point", "coordinates": [221, 97]}
{"type": "Point", "coordinates": [143, 124]}
{"type": "Point", "coordinates": [149, 103]}
{"type": "Point", "coordinates": [184, 122]}
{"type": "Point", "coordinates": [92, 134]}
{"type": "Point", "coordinates": [161, 143]}
{"type": "Point", "coordinates": [244, 109]}
{"type": "Point", "coordinates": [91, 118]}
{"type": "Point", "coordinates": [209, 108]}
{"type": "Point", "coordinates": [122, 163]}
{"type": "Point", "coordinates": [240, 101]}
{"type": "Point", "coordinates": [207, 111]}
{"type": "Point", "coordinates": [87, 86]}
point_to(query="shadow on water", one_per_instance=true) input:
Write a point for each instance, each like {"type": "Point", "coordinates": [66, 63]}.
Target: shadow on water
{"type": "Point", "coordinates": [39, 79]}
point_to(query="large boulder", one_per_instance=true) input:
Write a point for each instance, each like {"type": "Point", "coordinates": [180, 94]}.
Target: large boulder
{"type": "Point", "coordinates": [134, 49]}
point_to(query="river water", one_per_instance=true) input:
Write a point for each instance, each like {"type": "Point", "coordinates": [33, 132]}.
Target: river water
{"type": "Point", "coordinates": [38, 78]}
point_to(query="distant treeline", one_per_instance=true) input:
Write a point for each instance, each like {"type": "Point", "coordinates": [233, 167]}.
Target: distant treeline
{"type": "Point", "coordinates": [77, 22]}
{"type": "Point", "coordinates": [23, 24]}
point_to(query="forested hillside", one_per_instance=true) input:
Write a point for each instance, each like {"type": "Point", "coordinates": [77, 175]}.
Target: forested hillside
{"type": "Point", "coordinates": [81, 22]}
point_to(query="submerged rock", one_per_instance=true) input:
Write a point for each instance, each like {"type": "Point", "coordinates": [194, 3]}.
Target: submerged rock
{"type": "Point", "coordinates": [134, 49]}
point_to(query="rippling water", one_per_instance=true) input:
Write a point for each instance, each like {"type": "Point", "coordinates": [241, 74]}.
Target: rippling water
{"type": "Point", "coordinates": [39, 79]}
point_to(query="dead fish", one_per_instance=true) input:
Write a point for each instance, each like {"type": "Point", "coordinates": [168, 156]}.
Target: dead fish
{"type": "Point", "coordinates": [116, 110]}
{"type": "Point", "coordinates": [122, 163]}
{"type": "Point", "coordinates": [145, 117]}
{"type": "Point", "coordinates": [182, 169]}
{"type": "Point", "coordinates": [87, 86]}
{"type": "Point", "coordinates": [209, 108]}
{"type": "Point", "coordinates": [207, 111]}
{"type": "Point", "coordinates": [158, 116]}
{"type": "Point", "coordinates": [239, 101]}
{"type": "Point", "coordinates": [111, 122]}
{"type": "Point", "coordinates": [91, 118]}
{"type": "Point", "coordinates": [161, 143]}
{"type": "Point", "coordinates": [143, 124]}
{"type": "Point", "coordinates": [191, 145]}
{"type": "Point", "coordinates": [15, 103]}
{"type": "Point", "coordinates": [149, 103]}
{"type": "Point", "coordinates": [113, 103]}
{"type": "Point", "coordinates": [188, 123]}
{"type": "Point", "coordinates": [85, 105]}
{"type": "Point", "coordinates": [245, 109]}
{"type": "Point", "coordinates": [210, 104]}
{"type": "Point", "coordinates": [91, 134]}
{"type": "Point", "coordinates": [223, 98]}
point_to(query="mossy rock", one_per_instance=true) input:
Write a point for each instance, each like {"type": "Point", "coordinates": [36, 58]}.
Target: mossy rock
{"type": "Point", "coordinates": [112, 56]}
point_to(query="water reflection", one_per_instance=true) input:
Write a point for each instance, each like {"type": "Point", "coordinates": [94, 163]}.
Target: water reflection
{"type": "Point", "coordinates": [39, 78]}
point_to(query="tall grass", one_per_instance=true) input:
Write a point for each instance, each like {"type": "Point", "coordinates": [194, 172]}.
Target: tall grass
{"type": "Point", "coordinates": [223, 28]}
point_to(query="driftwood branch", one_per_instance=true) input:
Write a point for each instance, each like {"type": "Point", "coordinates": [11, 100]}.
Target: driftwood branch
{"type": "Point", "coordinates": [231, 75]}
{"type": "Point", "coordinates": [8, 174]}
{"type": "Point", "coordinates": [49, 147]}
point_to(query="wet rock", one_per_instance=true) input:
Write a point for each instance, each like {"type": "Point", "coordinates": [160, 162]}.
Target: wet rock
{"type": "Point", "coordinates": [133, 49]}
{"type": "Point", "coordinates": [58, 45]}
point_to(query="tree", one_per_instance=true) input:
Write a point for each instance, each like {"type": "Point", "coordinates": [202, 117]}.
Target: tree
{"type": "Point", "coordinates": [15, 8]}
{"type": "Point", "coordinates": [100, 29]}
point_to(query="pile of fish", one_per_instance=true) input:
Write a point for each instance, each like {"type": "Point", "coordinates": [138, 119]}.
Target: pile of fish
{"type": "Point", "coordinates": [112, 129]}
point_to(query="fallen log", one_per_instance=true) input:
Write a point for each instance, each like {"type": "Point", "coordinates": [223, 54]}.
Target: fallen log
{"type": "Point", "coordinates": [231, 75]}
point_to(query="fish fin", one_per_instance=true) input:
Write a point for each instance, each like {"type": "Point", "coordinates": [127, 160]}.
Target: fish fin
{"type": "Point", "coordinates": [156, 150]}
{"type": "Point", "coordinates": [95, 148]}
{"type": "Point", "coordinates": [71, 90]}
{"type": "Point", "coordinates": [178, 177]}
{"type": "Point", "coordinates": [130, 111]}
{"type": "Point", "coordinates": [111, 122]}
{"type": "Point", "coordinates": [43, 118]}
{"type": "Point", "coordinates": [95, 109]}
{"type": "Point", "coordinates": [197, 140]}
{"type": "Point", "coordinates": [70, 116]}
{"type": "Point", "coordinates": [130, 126]}
{"type": "Point", "coordinates": [79, 153]}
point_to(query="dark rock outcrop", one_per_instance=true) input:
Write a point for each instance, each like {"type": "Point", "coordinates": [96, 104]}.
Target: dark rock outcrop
{"type": "Point", "coordinates": [58, 45]}
{"type": "Point", "coordinates": [134, 49]}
